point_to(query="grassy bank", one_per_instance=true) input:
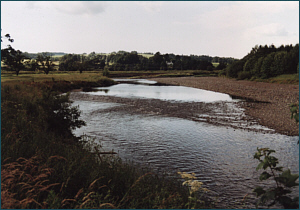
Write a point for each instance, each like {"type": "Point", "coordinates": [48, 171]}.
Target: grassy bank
{"type": "Point", "coordinates": [282, 79]}
{"type": "Point", "coordinates": [43, 165]}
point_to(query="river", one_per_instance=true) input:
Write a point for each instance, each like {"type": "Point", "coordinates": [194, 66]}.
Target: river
{"type": "Point", "coordinates": [215, 140]}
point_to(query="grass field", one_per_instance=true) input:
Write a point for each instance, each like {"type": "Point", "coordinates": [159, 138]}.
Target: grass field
{"type": "Point", "coordinates": [215, 64]}
{"type": "Point", "coordinates": [56, 76]}
{"type": "Point", "coordinates": [7, 76]}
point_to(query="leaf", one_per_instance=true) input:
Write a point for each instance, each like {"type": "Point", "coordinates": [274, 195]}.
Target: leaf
{"type": "Point", "coordinates": [259, 191]}
{"type": "Point", "coordinates": [271, 151]}
{"type": "Point", "coordinates": [259, 166]}
{"type": "Point", "coordinates": [278, 168]}
{"type": "Point", "coordinates": [257, 155]}
{"type": "Point", "coordinates": [264, 176]}
{"type": "Point", "coordinates": [273, 161]}
{"type": "Point", "coordinates": [288, 179]}
{"type": "Point", "coordinates": [266, 163]}
{"type": "Point", "coordinates": [270, 195]}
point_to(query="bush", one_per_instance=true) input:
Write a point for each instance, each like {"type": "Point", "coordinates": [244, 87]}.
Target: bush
{"type": "Point", "coordinates": [233, 69]}
{"type": "Point", "coordinates": [222, 73]}
{"type": "Point", "coordinates": [244, 75]}
{"type": "Point", "coordinates": [105, 72]}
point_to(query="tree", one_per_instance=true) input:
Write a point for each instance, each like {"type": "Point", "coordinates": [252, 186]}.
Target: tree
{"type": "Point", "coordinates": [266, 66]}
{"type": "Point", "coordinates": [221, 66]}
{"type": "Point", "coordinates": [279, 64]}
{"type": "Point", "coordinates": [12, 58]}
{"type": "Point", "coordinates": [233, 69]}
{"type": "Point", "coordinates": [31, 65]}
{"type": "Point", "coordinates": [45, 62]}
{"type": "Point", "coordinates": [8, 38]}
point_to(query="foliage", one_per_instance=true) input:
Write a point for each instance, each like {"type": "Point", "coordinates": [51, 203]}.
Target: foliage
{"type": "Point", "coordinates": [31, 65]}
{"type": "Point", "coordinates": [284, 180]}
{"type": "Point", "coordinates": [45, 62]}
{"type": "Point", "coordinates": [221, 66]}
{"type": "Point", "coordinates": [294, 108]}
{"type": "Point", "coordinates": [132, 61]}
{"type": "Point", "coordinates": [265, 62]}
{"type": "Point", "coordinates": [242, 75]}
{"type": "Point", "coordinates": [106, 72]}
{"type": "Point", "coordinates": [233, 69]}
{"type": "Point", "coordinates": [74, 62]}
{"type": "Point", "coordinates": [12, 58]}
{"type": "Point", "coordinates": [194, 187]}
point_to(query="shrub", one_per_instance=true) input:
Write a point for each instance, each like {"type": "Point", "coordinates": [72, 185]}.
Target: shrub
{"type": "Point", "coordinates": [284, 181]}
{"type": "Point", "coordinates": [106, 72]}
{"type": "Point", "coordinates": [244, 75]}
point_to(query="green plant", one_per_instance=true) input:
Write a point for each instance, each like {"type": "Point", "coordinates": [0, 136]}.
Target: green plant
{"type": "Point", "coordinates": [194, 186]}
{"type": "Point", "coordinates": [105, 72]}
{"type": "Point", "coordinates": [284, 180]}
{"type": "Point", "coordinates": [294, 108]}
{"type": "Point", "coordinates": [242, 75]}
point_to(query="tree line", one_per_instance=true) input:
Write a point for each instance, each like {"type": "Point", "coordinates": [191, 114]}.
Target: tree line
{"type": "Point", "coordinates": [262, 61]}
{"type": "Point", "coordinates": [16, 60]}
{"type": "Point", "coordinates": [132, 61]}
{"type": "Point", "coordinates": [265, 62]}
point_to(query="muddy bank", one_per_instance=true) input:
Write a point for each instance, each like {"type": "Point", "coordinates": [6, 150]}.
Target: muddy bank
{"type": "Point", "coordinates": [274, 113]}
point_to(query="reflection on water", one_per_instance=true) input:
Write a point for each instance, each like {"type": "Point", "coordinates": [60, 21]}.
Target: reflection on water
{"type": "Point", "coordinates": [139, 81]}
{"type": "Point", "coordinates": [176, 93]}
{"type": "Point", "coordinates": [221, 157]}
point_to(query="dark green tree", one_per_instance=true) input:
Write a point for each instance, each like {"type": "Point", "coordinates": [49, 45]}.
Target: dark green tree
{"type": "Point", "coordinates": [266, 70]}
{"type": "Point", "coordinates": [233, 69]}
{"type": "Point", "coordinates": [13, 59]}
{"type": "Point", "coordinates": [31, 65]}
{"type": "Point", "coordinates": [221, 66]}
{"type": "Point", "coordinates": [45, 62]}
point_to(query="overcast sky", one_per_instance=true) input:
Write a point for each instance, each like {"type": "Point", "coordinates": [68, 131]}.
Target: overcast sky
{"type": "Point", "coordinates": [225, 28]}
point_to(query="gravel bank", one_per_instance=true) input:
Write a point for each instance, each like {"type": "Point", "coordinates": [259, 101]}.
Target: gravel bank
{"type": "Point", "coordinates": [271, 101]}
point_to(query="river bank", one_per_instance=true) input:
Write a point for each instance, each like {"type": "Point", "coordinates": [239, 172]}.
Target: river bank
{"type": "Point", "coordinates": [270, 102]}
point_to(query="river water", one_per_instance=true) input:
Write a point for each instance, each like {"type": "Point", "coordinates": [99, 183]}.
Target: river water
{"type": "Point", "coordinates": [220, 156]}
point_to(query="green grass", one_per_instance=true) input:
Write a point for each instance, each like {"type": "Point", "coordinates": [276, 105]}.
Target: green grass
{"type": "Point", "coordinates": [146, 55]}
{"type": "Point", "coordinates": [282, 79]}
{"type": "Point", "coordinates": [215, 64]}
{"type": "Point", "coordinates": [57, 76]}
{"type": "Point", "coordinates": [26, 76]}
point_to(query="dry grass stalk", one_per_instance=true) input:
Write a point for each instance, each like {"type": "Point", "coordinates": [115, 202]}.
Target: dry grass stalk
{"type": "Point", "coordinates": [139, 179]}
{"type": "Point", "coordinates": [93, 183]}
{"type": "Point", "coordinates": [23, 182]}
{"type": "Point", "coordinates": [66, 202]}
{"type": "Point", "coordinates": [78, 193]}
{"type": "Point", "coordinates": [84, 203]}
{"type": "Point", "coordinates": [132, 186]}
{"type": "Point", "coordinates": [108, 204]}
{"type": "Point", "coordinates": [88, 196]}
